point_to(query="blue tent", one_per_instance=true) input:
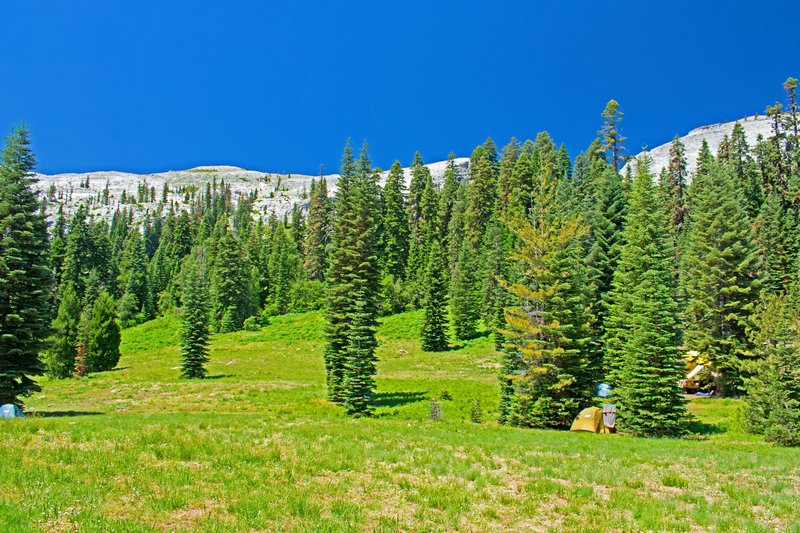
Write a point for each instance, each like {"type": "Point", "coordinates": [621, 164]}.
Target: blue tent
{"type": "Point", "coordinates": [10, 411]}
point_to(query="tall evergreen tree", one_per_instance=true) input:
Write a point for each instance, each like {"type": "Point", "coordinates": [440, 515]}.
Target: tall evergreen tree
{"type": "Point", "coordinates": [773, 388]}
{"type": "Point", "coordinates": [395, 218]}
{"type": "Point", "coordinates": [60, 355]}
{"type": "Point", "coordinates": [25, 275]}
{"type": "Point", "coordinates": [103, 335]}
{"type": "Point", "coordinates": [317, 233]}
{"type": "Point", "coordinates": [721, 268]}
{"type": "Point", "coordinates": [612, 140]}
{"type": "Point", "coordinates": [465, 295]}
{"type": "Point", "coordinates": [548, 329]}
{"type": "Point", "coordinates": [230, 285]}
{"type": "Point", "coordinates": [642, 335]}
{"type": "Point", "coordinates": [353, 287]}
{"type": "Point", "coordinates": [434, 322]}
{"type": "Point", "coordinates": [194, 332]}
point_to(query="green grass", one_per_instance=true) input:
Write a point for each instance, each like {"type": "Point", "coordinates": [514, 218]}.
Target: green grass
{"type": "Point", "coordinates": [258, 448]}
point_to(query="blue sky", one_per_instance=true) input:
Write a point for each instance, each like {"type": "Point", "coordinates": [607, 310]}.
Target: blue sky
{"type": "Point", "coordinates": [155, 85]}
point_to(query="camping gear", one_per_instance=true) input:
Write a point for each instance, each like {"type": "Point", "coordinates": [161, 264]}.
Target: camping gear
{"type": "Point", "coordinates": [603, 390]}
{"type": "Point", "coordinates": [592, 419]}
{"type": "Point", "coordinates": [10, 411]}
{"type": "Point", "coordinates": [609, 415]}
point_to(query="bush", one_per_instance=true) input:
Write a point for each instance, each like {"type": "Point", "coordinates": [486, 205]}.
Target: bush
{"type": "Point", "coordinates": [252, 324]}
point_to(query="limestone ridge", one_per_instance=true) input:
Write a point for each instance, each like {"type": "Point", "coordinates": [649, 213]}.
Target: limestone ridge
{"type": "Point", "coordinates": [713, 133]}
{"type": "Point", "coordinates": [277, 193]}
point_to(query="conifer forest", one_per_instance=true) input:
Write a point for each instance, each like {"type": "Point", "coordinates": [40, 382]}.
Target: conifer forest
{"type": "Point", "coordinates": [581, 270]}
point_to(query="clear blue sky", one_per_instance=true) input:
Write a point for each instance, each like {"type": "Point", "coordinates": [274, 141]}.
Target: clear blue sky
{"type": "Point", "coordinates": [279, 86]}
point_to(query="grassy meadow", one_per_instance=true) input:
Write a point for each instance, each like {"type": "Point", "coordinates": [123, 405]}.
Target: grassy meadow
{"type": "Point", "coordinates": [258, 448]}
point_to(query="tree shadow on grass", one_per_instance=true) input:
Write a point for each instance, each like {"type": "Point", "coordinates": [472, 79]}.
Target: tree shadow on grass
{"type": "Point", "coordinates": [701, 429]}
{"type": "Point", "coordinates": [396, 399]}
{"type": "Point", "coordinates": [60, 414]}
{"type": "Point", "coordinates": [219, 376]}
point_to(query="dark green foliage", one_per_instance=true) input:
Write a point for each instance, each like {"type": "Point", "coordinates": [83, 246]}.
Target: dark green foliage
{"type": "Point", "coordinates": [136, 305]}
{"type": "Point", "coordinates": [773, 390]}
{"type": "Point", "coordinates": [194, 333]}
{"type": "Point", "coordinates": [721, 269]}
{"type": "Point", "coordinates": [395, 235]}
{"type": "Point", "coordinates": [60, 356]}
{"type": "Point", "coordinates": [447, 200]}
{"type": "Point", "coordinates": [434, 323]}
{"type": "Point", "coordinates": [779, 245]}
{"type": "Point", "coordinates": [317, 231]}
{"type": "Point", "coordinates": [643, 363]}
{"type": "Point", "coordinates": [230, 285]}
{"type": "Point", "coordinates": [481, 196]}
{"type": "Point", "coordinates": [612, 140]}
{"type": "Point", "coordinates": [103, 335]}
{"type": "Point", "coordinates": [465, 295]}
{"type": "Point", "coordinates": [546, 380]}
{"type": "Point", "coordinates": [605, 240]}
{"type": "Point", "coordinates": [25, 275]}
{"type": "Point", "coordinates": [353, 288]}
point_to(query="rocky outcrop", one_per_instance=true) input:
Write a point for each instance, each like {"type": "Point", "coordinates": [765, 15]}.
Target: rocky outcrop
{"type": "Point", "coordinates": [277, 193]}
{"type": "Point", "coordinates": [714, 133]}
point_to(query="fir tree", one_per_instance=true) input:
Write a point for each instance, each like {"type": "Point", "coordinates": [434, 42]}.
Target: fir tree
{"type": "Point", "coordinates": [481, 196]}
{"type": "Point", "coordinates": [359, 375]}
{"type": "Point", "coordinates": [612, 140]}
{"type": "Point", "coordinates": [548, 329]}
{"type": "Point", "coordinates": [447, 199]}
{"type": "Point", "coordinates": [395, 218]}
{"type": "Point", "coordinates": [353, 287]}
{"type": "Point", "coordinates": [230, 285]}
{"type": "Point", "coordinates": [721, 269]}
{"type": "Point", "coordinates": [136, 304]}
{"type": "Point", "coordinates": [194, 333]}
{"type": "Point", "coordinates": [60, 356]}
{"type": "Point", "coordinates": [773, 388]}
{"type": "Point", "coordinates": [434, 322]}
{"type": "Point", "coordinates": [641, 340]}
{"type": "Point", "coordinates": [317, 231]}
{"type": "Point", "coordinates": [465, 295]}
{"type": "Point", "coordinates": [25, 275]}
{"type": "Point", "coordinates": [339, 301]}
{"type": "Point", "coordinates": [103, 335]}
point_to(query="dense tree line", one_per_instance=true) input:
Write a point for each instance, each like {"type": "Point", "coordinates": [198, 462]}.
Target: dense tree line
{"type": "Point", "coordinates": [581, 274]}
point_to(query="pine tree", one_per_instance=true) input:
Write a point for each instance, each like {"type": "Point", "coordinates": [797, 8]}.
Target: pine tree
{"type": "Point", "coordinates": [777, 228]}
{"type": "Point", "coordinates": [25, 275]}
{"type": "Point", "coordinates": [465, 296]}
{"type": "Point", "coordinates": [60, 355]}
{"type": "Point", "coordinates": [548, 329]}
{"type": "Point", "coordinates": [721, 269]}
{"type": "Point", "coordinates": [447, 199]}
{"type": "Point", "coordinates": [641, 339]}
{"type": "Point", "coordinates": [359, 380]}
{"type": "Point", "coordinates": [612, 140]}
{"type": "Point", "coordinates": [434, 322]}
{"type": "Point", "coordinates": [773, 388]}
{"type": "Point", "coordinates": [317, 231]}
{"type": "Point", "coordinates": [230, 286]}
{"type": "Point", "coordinates": [136, 305]}
{"type": "Point", "coordinates": [395, 218]}
{"type": "Point", "coordinates": [103, 335]}
{"type": "Point", "coordinates": [353, 287]}
{"type": "Point", "coordinates": [481, 195]}
{"type": "Point", "coordinates": [194, 333]}
{"type": "Point", "coordinates": [605, 240]}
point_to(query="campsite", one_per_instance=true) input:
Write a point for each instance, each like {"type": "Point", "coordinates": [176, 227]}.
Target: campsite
{"type": "Point", "coordinates": [258, 448]}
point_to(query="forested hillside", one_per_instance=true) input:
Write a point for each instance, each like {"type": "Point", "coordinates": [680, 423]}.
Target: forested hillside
{"type": "Point", "coordinates": [583, 274]}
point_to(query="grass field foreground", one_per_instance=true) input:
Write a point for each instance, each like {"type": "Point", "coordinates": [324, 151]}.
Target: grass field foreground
{"type": "Point", "coordinates": [258, 448]}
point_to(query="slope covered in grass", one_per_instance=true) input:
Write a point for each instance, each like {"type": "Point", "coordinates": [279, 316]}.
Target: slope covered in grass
{"type": "Point", "coordinates": [258, 448]}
